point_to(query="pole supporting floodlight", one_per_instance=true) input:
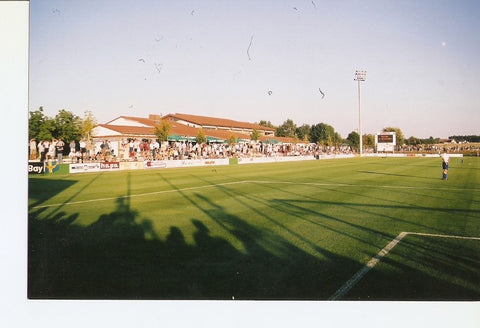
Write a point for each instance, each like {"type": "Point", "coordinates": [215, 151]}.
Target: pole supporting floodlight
{"type": "Point", "coordinates": [360, 76]}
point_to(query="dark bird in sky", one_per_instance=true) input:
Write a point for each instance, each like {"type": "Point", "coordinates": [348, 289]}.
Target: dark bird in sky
{"type": "Point", "coordinates": [270, 93]}
{"type": "Point", "coordinates": [321, 92]}
{"type": "Point", "coordinates": [142, 60]}
{"type": "Point", "coordinates": [248, 49]}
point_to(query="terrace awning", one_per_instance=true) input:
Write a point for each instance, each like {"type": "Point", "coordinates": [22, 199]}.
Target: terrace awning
{"type": "Point", "coordinates": [243, 140]}
{"type": "Point", "coordinates": [272, 141]}
{"type": "Point", "coordinates": [214, 139]}
{"type": "Point", "coordinates": [176, 137]}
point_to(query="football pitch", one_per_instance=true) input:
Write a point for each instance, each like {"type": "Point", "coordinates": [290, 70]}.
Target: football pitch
{"type": "Point", "coordinates": [345, 229]}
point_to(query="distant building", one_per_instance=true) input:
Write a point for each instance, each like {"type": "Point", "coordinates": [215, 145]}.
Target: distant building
{"type": "Point", "coordinates": [183, 127]}
{"type": "Point", "coordinates": [218, 124]}
{"type": "Point", "coordinates": [444, 141]}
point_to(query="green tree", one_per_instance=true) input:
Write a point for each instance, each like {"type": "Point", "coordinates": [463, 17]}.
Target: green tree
{"type": "Point", "coordinates": [287, 129]}
{"type": "Point", "coordinates": [255, 135]}
{"type": "Point", "coordinates": [413, 141]}
{"type": "Point", "coordinates": [40, 126]}
{"type": "Point", "coordinates": [430, 141]}
{"type": "Point", "coordinates": [162, 130]}
{"type": "Point", "coordinates": [35, 121]}
{"type": "Point", "coordinates": [68, 126]}
{"type": "Point", "coordinates": [232, 140]}
{"type": "Point", "coordinates": [368, 141]}
{"type": "Point", "coordinates": [47, 130]}
{"type": "Point", "coordinates": [267, 124]}
{"type": "Point", "coordinates": [303, 132]}
{"type": "Point", "coordinates": [324, 134]}
{"type": "Point", "coordinates": [88, 123]}
{"type": "Point", "coordinates": [201, 138]}
{"type": "Point", "coordinates": [353, 140]}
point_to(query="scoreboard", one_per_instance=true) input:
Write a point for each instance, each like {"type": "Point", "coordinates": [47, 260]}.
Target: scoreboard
{"type": "Point", "coordinates": [385, 141]}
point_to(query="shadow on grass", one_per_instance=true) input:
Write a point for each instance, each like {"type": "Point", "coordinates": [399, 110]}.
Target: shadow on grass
{"type": "Point", "coordinates": [119, 258]}
{"type": "Point", "coordinates": [40, 190]}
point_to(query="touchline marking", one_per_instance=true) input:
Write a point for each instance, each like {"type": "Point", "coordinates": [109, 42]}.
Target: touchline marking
{"type": "Point", "coordinates": [138, 195]}
{"type": "Point", "coordinates": [342, 291]}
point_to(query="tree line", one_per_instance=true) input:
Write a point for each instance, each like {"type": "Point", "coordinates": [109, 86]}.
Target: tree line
{"type": "Point", "coordinates": [65, 125]}
{"type": "Point", "coordinates": [325, 134]}
{"type": "Point", "coordinates": [470, 138]}
{"type": "Point", "coordinates": [68, 126]}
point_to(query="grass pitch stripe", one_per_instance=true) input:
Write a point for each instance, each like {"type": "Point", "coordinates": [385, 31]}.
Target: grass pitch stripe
{"type": "Point", "coordinates": [342, 291]}
{"type": "Point", "coordinates": [138, 195]}
{"type": "Point", "coordinates": [321, 184]}
{"type": "Point", "coordinates": [363, 271]}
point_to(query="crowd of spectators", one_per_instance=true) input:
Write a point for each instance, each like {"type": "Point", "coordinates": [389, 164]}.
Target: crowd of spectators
{"type": "Point", "coordinates": [135, 149]}
{"type": "Point", "coordinates": [55, 149]}
{"type": "Point", "coordinates": [438, 148]}
{"type": "Point", "coordinates": [143, 149]}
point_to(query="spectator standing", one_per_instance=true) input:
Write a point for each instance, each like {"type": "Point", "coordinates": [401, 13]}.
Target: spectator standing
{"type": "Point", "coordinates": [131, 146]}
{"type": "Point", "coordinates": [156, 147]}
{"type": "Point", "coordinates": [59, 148]}
{"type": "Point", "coordinates": [73, 146]}
{"type": "Point", "coordinates": [46, 146]}
{"type": "Point", "coordinates": [83, 148]}
{"type": "Point", "coordinates": [51, 150]}
{"type": "Point", "coordinates": [33, 149]}
{"type": "Point", "coordinates": [72, 155]}
{"type": "Point", "coordinates": [41, 150]}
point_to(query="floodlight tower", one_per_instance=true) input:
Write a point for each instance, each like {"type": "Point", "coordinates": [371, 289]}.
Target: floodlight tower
{"type": "Point", "coordinates": [360, 77]}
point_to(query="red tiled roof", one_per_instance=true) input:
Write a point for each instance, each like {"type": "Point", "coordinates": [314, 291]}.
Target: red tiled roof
{"type": "Point", "coordinates": [213, 121]}
{"type": "Point", "coordinates": [189, 131]}
{"type": "Point", "coordinates": [129, 130]}
{"type": "Point", "coordinates": [142, 120]}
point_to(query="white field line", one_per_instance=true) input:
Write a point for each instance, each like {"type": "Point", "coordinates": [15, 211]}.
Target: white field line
{"type": "Point", "coordinates": [138, 195]}
{"type": "Point", "coordinates": [441, 236]}
{"type": "Point", "coordinates": [342, 291]}
{"type": "Point", "coordinates": [248, 181]}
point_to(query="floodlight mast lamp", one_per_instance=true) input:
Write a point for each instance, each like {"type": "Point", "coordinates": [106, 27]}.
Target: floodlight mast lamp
{"type": "Point", "coordinates": [360, 77]}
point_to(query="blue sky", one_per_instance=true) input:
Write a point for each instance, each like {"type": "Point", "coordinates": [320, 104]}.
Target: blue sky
{"type": "Point", "coordinates": [262, 60]}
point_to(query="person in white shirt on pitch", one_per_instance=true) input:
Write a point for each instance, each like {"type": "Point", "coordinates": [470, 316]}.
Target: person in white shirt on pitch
{"type": "Point", "coordinates": [445, 159]}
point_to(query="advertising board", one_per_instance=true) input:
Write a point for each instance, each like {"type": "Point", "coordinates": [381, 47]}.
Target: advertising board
{"type": "Point", "coordinates": [84, 167]}
{"type": "Point", "coordinates": [109, 166]}
{"type": "Point", "coordinates": [35, 168]}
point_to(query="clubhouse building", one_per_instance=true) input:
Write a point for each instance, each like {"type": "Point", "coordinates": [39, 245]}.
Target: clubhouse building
{"type": "Point", "coordinates": [183, 128]}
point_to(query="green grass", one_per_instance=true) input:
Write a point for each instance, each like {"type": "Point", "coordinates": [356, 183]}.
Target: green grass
{"type": "Point", "coordinates": [267, 231]}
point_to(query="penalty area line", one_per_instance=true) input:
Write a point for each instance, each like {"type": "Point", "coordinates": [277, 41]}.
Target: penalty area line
{"type": "Point", "coordinates": [342, 291]}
